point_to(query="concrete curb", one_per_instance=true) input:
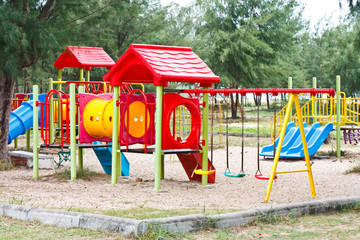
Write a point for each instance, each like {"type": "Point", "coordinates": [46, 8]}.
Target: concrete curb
{"type": "Point", "coordinates": [181, 224]}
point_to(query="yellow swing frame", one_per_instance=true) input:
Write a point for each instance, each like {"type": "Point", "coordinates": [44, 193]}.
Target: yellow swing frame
{"type": "Point", "coordinates": [292, 99]}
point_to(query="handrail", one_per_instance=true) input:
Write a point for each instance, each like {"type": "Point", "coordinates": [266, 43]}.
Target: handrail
{"type": "Point", "coordinates": [322, 110]}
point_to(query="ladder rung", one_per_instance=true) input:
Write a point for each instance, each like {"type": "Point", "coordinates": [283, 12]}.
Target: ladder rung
{"type": "Point", "coordinates": [295, 171]}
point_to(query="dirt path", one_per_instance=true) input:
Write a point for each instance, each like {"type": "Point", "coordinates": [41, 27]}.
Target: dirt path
{"type": "Point", "coordinates": [18, 186]}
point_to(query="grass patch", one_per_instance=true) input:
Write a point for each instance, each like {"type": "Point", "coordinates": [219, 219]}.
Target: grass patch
{"type": "Point", "coordinates": [16, 229]}
{"type": "Point", "coordinates": [355, 169]}
{"type": "Point", "coordinates": [142, 213]}
{"type": "Point", "coordinates": [247, 130]}
{"type": "Point", "coordinates": [336, 225]}
{"type": "Point", "coordinates": [16, 200]}
{"type": "Point", "coordinates": [84, 174]}
{"type": "Point", "coordinates": [333, 152]}
{"type": "Point", "coordinates": [266, 219]}
{"type": "Point", "coordinates": [158, 233]}
{"type": "Point", "coordinates": [5, 166]}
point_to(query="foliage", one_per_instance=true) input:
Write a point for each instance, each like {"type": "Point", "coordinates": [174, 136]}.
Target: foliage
{"type": "Point", "coordinates": [5, 166]}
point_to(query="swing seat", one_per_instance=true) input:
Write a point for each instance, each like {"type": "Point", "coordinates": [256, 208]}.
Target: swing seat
{"type": "Point", "coordinates": [230, 174]}
{"type": "Point", "coordinates": [201, 172]}
{"type": "Point", "coordinates": [262, 177]}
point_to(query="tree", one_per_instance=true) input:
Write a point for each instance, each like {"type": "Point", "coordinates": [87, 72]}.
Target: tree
{"type": "Point", "coordinates": [30, 30]}
{"type": "Point", "coordinates": [248, 40]}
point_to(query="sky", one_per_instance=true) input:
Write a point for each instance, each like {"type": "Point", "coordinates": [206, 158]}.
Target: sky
{"type": "Point", "coordinates": [314, 11]}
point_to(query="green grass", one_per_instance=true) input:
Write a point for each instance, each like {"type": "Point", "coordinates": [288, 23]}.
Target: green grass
{"type": "Point", "coordinates": [247, 130]}
{"type": "Point", "coordinates": [16, 229]}
{"type": "Point", "coordinates": [142, 213]}
{"type": "Point", "coordinates": [338, 225]}
{"type": "Point", "coordinates": [5, 166]}
{"type": "Point", "coordinates": [344, 224]}
{"type": "Point", "coordinates": [355, 169]}
{"type": "Point", "coordinates": [85, 174]}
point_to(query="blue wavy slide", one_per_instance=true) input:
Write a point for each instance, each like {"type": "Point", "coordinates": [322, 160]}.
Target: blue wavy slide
{"type": "Point", "coordinates": [21, 119]}
{"type": "Point", "coordinates": [105, 159]}
{"type": "Point", "coordinates": [292, 147]}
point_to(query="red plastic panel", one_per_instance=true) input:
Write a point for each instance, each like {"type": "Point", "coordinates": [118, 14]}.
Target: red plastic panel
{"type": "Point", "coordinates": [188, 161]}
{"type": "Point", "coordinates": [83, 57]}
{"type": "Point", "coordinates": [170, 102]}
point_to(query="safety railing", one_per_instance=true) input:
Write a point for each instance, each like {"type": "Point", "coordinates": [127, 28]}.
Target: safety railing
{"type": "Point", "coordinates": [323, 110]}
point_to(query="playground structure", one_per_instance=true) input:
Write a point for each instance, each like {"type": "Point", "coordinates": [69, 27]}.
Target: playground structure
{"type": "Point", "coordinates": [105, 117]}
{"type": "Point", "coordinates": [342, 111]}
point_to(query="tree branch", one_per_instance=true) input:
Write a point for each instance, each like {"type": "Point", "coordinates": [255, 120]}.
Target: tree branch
{"type": "Point", "coordinates": [92, 13]}
{"type": "Point", "coordinates": [44, 13]}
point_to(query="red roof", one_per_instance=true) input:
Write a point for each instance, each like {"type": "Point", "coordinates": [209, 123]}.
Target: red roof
{"type": "Point", "coordinates": [160, 65]}
{"type": "Point", "coordinates": [83, 57]}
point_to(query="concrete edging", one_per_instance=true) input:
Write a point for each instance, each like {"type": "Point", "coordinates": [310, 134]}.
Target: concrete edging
{"type": "Point", "coordinates": [180, 224]}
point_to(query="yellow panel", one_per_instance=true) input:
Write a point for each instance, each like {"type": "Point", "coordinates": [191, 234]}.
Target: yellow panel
{"type": "Point", "coordinates": [137, 119]}
{"type": "Point", "coordinates": [108, 119]}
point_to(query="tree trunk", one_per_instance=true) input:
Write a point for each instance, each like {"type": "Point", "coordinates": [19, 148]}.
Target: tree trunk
{"type": "Point", "coordinates": [267, 101]}
{"type": "Point", "coordinates": [6, 93]}
{"type": "Point", "coordinates": [233, 106]}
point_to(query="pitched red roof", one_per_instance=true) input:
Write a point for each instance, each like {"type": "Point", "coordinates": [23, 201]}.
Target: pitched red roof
{"type": "Point", "coordinates": [160, 65]}
{"type": "Point", "coordinates": [83, 57]}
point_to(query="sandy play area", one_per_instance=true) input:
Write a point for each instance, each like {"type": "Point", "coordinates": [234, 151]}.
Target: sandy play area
{"type": "Point", "coordinates": [18, 186]}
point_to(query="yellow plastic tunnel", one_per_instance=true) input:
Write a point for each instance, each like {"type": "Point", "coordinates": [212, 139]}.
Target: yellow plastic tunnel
{"type": "Point", "coordinates": [64, 111]}
{"type": "Point", "coordinates": [97, 118]}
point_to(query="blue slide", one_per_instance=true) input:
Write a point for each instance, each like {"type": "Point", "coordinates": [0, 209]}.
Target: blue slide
{"type": "Point", "coordinates": [291, 134]}
{"type": "Point", "coordinates": [21, 119]}
{"type": "Point", "coordinates": [104, 156]}
{"type": "Point", "coordinates": [292, 147]}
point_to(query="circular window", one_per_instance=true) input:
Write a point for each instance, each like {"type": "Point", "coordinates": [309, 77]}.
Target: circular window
{"type": "Point", "coordinates": [180, 123]}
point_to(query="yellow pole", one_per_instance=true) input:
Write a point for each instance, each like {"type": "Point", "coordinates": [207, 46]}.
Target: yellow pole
{"type": "Point", "coordinates": [278, 150]}
{"type": "Point", "coordinates": [87, 75]}
{"type": "Point", "coordinates": [306, 151]}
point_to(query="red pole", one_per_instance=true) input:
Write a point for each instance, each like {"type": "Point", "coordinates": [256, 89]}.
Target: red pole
{"type": "Point", "coordinates": [274, 91]}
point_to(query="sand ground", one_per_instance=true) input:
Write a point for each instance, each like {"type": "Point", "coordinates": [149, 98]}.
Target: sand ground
{"type": "Point", "coordinates": [18, 186]}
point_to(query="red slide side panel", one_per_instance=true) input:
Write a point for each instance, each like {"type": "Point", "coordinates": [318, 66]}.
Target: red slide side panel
{"type": "Point", "coordinates": [188, 160]}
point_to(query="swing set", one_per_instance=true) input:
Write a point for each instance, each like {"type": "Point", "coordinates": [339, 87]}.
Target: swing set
{"type": "Point", "coordinates": [228, 172]}
{"type": "Point", "coordinates": [293, 99]}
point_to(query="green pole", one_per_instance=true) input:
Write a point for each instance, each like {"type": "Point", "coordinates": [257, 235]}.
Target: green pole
{"type": "Point", "coordinates": [290, 86]}
{"type": "Point", "coordinates": [338, 112]}
{"type": "Point", "coordinates": [59, 79]}
{"type": "Point", "coordinates": [115, 136]}
{"type": "Point", "coordinates": [27, 140]}
{"type": "Point", "coordinates": [205, 128]}
{"type": "Point", "coordinates": [51, 117]}
{"type": "Point", "coordinates": [72, 131]}
{"type": "Point", "coordinates": [87, 76]}
{"type": "Point", "coordinates": [35, 132]}
{"type": "Point", "coordinates": [81, 74]}
{"type": "Point", "coordinates": [162, 166]}
{"type": "Point", "coordinates": [80, 150]}
{"type": "Point", "coordinates": [158, 132]}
